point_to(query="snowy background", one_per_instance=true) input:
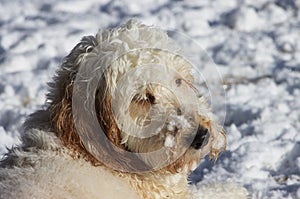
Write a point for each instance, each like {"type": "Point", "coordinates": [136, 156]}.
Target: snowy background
{"type": "Point", "coordinates": [256, 44]}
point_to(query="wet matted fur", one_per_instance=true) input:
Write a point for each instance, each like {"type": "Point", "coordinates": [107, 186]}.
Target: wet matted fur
{"type": "Point", "coordinates": [54, 161]}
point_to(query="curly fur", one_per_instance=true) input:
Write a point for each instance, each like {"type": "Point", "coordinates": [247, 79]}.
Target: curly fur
{"type": "Point", "coordinates": [54, 162]}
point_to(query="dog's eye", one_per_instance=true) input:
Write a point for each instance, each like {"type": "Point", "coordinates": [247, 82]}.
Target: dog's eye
{"type": "Point", "coordinates": [178, 82]}
{"type": "Point", "coordinates": [150, 98]}
{"type": "Point", "coordinates": [89, 49]}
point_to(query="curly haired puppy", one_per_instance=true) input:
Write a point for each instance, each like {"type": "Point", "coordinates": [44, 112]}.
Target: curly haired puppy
{"type": "Point", "coordinates": [123, 119]}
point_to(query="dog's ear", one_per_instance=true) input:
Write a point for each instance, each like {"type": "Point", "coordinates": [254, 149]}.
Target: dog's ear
{"type": "Point", "coordinates": [59, 98]}
{"type": "Point", "coordinates": [66, 74]}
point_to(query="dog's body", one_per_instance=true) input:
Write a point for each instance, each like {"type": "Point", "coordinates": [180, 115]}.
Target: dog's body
{"type": "Point", "coordinates": [60, 155]}
{"type": "Point", "coordinates": [45, 169]}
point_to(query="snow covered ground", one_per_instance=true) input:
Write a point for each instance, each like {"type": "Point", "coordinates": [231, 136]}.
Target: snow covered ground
{"type": "Point", "coordinates": [256, 45]}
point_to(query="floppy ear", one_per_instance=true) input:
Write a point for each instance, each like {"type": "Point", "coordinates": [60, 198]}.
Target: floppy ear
{"type": "Point", "coordinates": [60, 94]}
{"type": "Point", "coordinates": [62, 118]}
{"type": "Point", "coordinates": [106, 116]}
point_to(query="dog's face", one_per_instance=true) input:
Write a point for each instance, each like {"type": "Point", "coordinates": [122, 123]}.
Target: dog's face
{"type": "Point", "coordinates": [145, 100]}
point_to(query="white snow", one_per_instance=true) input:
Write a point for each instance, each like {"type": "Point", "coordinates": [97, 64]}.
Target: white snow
{"type": "Point", "coordinates": [244, 19]}
{"type": "Point", "coordinates": [256, 45]}
{"type": "Point", "coordinates": [6, 139]}
{"type": "Point", "coordinates": [179, 122]}
{"type": "Point", "coordinates": [169, 141]}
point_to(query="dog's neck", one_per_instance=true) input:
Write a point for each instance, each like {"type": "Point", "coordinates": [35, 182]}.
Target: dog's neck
{"type": "Point", "coordinates": [161, 184]}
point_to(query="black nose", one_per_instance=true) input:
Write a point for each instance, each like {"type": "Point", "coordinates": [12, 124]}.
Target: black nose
{"type": "Point", "coordinates": [201, 138]}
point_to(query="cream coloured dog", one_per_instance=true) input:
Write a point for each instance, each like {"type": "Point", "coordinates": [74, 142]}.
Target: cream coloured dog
{"type": "Point", "coordinates": [123, 120]}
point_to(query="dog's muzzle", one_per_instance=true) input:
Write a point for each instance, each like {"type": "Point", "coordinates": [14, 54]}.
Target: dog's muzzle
{"type": "Point", "coordinates": [201, 139]}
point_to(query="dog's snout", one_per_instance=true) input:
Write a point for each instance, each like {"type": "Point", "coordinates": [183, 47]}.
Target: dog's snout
{"type": "Point", "coordinates": [201, 138]}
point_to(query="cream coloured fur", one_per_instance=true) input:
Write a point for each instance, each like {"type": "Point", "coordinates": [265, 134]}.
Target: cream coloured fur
{"type": "Point", "coordinates": [43, 168]}
{"type": "Point", "coordinates": [51, 164]}
{"type": "Point", "coordinates": [52, 173]}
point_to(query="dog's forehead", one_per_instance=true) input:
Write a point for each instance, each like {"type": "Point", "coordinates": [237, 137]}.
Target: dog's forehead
{"type": "Point", "coordinates": [136, 35]}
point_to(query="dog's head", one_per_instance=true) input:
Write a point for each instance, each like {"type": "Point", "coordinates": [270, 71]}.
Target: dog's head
{"type": "Point", "coordinates": [127, 97]}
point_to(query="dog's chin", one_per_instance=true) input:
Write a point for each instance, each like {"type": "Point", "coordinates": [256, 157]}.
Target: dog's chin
{"type": "Point", "coordinates": [183, 164]}
{"type": "Point", "coordinates": [188, 162]}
